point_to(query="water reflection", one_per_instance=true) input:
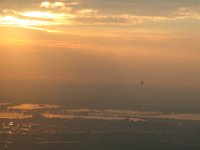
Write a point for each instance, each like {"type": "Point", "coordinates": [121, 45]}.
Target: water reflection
{"type": "Point", "coordinates": [53, 125]}
{"type": "Point", "coordinates": [27, 119]}
{"type": "Point", "coordinates": [95, 117]}
{"type": "Point", "coordinates": [14, 115]}
{"type": "Point", "coordinates": [16, 128]}
{"type": "Point", "coordinates": [34, 106]}
{"type": "Point", "coordinates": [184, 116]}
{"type": "Point", "coordinates": [28, 111]}
{"type": "Point", "coordinates": [4, 104]}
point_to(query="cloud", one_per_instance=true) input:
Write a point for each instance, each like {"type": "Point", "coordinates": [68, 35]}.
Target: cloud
{"type": "Point", "coordinates": [46, 15]}
{"type": "Point", "coordinates": [55, 5]}
{"type": "Point", "coordinates": [89, 16]}
{"type": "Point", "coordinates": [62, 13]}
{"type": "Point", "coordinates": [38, 20]}
{"type": "Point", "coordinates": [87, 12]}
{"type": "Point", "coordinates": [187, 12]}
{"type": "Point", "coordinates": [123, 19]}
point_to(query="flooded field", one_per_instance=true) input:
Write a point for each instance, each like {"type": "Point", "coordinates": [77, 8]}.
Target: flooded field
{"type": "Point", "coordinates": [44, 126]}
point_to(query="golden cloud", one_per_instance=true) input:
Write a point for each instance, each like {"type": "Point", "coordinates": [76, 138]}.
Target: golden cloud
{"type": "Point", "coordinates": [55, 5]}
{"type": "Point", "coordinates": [59, 14]}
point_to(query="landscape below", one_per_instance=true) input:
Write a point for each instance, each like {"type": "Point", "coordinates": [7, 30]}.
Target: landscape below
{"type": "Point", "coordinates": [45, 126]}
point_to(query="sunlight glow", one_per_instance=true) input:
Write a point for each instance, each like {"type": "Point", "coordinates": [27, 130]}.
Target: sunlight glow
{"type": "Point", "coordinates": [11, 20]}
{"type": "Point", "coordinates": [44, 15]}
{"type": "Point", "coordinates": [25, 23]}
{"type": "Point", "coordinates": [37, 20]}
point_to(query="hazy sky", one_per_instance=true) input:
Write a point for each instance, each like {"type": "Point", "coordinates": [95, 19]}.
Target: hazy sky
{"type": "Point", "coordinates": [96, 52]}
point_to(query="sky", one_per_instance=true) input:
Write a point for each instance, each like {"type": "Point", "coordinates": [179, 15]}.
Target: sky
{"type": "Point", "coordinates": [95, 53]}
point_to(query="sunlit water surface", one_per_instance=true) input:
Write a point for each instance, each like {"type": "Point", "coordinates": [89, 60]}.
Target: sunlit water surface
{"type": "Point", "coordinates": [45, 126]}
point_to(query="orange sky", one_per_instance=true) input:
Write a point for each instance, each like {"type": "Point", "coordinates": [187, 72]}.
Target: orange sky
{"type": "Point", "coordinates": [109, 42]}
